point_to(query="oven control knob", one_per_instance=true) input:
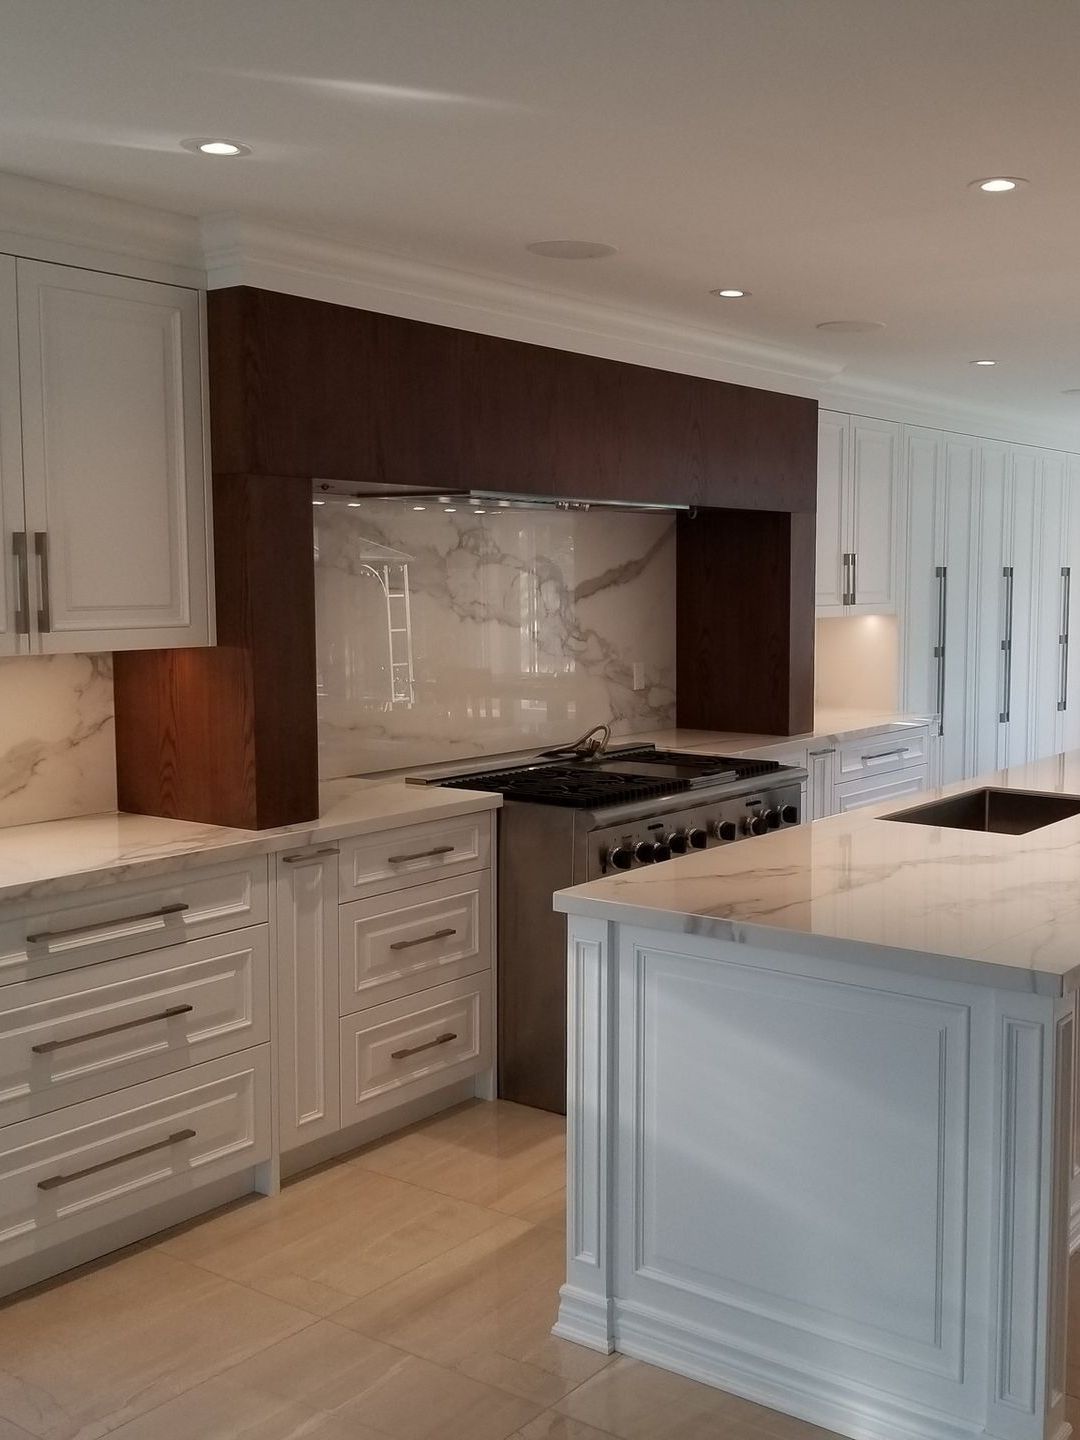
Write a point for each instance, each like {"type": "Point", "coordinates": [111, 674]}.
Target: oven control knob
{"type": "Point", "coordinates": [645, 852]}
{"type": "Point", "coordinates": [698, 838]}
{"type": "Point", "coordinates": [755, 825]}
{"type": "Point", "coordinates": [725, 830]}
{"type": "Point", "coordinates": [619, 857]}
{"type": "Point", "coordinates": [677, 842]}
{"type": "Point", "coordinates": [774, 819]}
{"type": "Point", "coordinates": [790, 814]}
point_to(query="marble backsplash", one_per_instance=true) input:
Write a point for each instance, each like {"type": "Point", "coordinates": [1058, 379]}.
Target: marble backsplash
{"type": "Point", "coordinates": [57, 748]}
{"type": "Point", "coordinates": [521, 629]}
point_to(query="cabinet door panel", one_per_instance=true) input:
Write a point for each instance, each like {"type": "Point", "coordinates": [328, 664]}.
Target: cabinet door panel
{"type": "Point", "coordinates": [1046, 688]}
{"type": "Point", "coordinates": [11, 485]}
{"type": "Point", "coordinates": [1022, 557]}
{"type": "Point", "coordinates": [307, 990]}
{"type": "Point", "coordinates": [113, 458]}
{"type": "Point", "coordinates": [923, 590]}
{"type": "Point", "coordinates": [1070, 739]}
{"type": "Point", "coordinates": [959, 493]}
{"type": "Point", "coordinates": [989, 593]}
{"type": "Point", "coordinates": [833, 433]}
{"type": "Point", "coordinates": [874, 456]}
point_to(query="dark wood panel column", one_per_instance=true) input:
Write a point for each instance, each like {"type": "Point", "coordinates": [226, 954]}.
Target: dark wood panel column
{"type": "Point", "coordinates": [745, 621]}
{"type": "Point", "coordinates": [229, 736]}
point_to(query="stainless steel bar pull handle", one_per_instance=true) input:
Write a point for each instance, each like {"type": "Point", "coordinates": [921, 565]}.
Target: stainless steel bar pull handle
{"type": "Point", "coordinates": [46, 936]}
{"type": "Point", "coordinates": [41, 551]}
{"type": "Point", "coordinates": [423, 939]}
{"type": "Point", "coordinates": [55, 1181]}
{"type": "Point", "coordinates": [885, 754]}
{"type": "Point", "coordinates": [421, 855]}
{"type": "Point", "coordinates": [1006, 644]}
{"type": "Point", "coordinates": [942, 574]}
{"type": "Point", "coordinates": [1066, 607]}
{"type": "Point", "coordinates": [443, 1039]}
{"type": "Point", "coordinates": [22, 582]}
{"type": "Point", "coordinates": [311, 855]}
{"type": "Point", "coordinates": [854, 579]}
{"type": "Point", "coordinates": [48, 1046]}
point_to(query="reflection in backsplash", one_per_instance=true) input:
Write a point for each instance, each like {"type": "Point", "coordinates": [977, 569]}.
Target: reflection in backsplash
{"type": "Point", "coordinates": [443, 636]}
{"type": "Point", "coordinates": [57, 741]}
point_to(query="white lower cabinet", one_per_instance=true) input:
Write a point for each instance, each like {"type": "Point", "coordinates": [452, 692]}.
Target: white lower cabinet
{"type": "Point", "coordinates": [385, 978]}
{"type": "Point", "coordinates": [407, 1048]}
{"type": "Point", "coordinates": [306, 1051]}
{"type": "Point", "coordinates": [876, 789]}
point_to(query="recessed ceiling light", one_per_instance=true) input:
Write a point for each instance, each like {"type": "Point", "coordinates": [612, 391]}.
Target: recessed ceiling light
{"type": "Point", "coordinates": [571, 249]}
{"type": "Point", "coordinates": [354, 504]}
{"type": "Point", "coordinates": [318, 502]}
{"type": "Point", "coordinates": [983, 362]}
{"type": "Point", "coordinates": [851, 327]}
{"type": "Point", "coordinates": [731, 294]}
{"type": "Point", "coordinates": [998, 184]}
{"type": "Point", "coordinates": [215, 147]}
{"type": "Point", "coordinates": [419, 507]}
{"type": "Point", "coordinates": [450, 510]}
{"type": "Point", "coordinates": [479, 512]}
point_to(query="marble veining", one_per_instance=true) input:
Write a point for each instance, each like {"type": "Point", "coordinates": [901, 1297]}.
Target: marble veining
{"type": "Point", "coordinates": [1001, 909]}
{"type": "Point", "coordinates": [522, 628]}
{"type": "Point", "coordinates": [57, 743]}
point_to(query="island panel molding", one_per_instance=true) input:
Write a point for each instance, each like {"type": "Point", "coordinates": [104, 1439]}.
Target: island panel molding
{"type": "Point", "coordinates": [842, 1189]}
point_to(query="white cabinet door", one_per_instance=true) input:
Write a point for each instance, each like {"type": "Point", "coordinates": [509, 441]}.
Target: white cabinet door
{"type": "Point", "coordinates": [987, 667]}
{"type": "Point", "coordinates": [958, 481]}
{"type": "Point", "coordinates": [833, 441]}
{"type": "Point", "coordinates": [875, 448]}
{"type": "Point", "coordinates": [1021, 558]}
{"type": "Point", "coordinates": [113, 459]}
{"type": "Point", "coordinates": [13, 618]}
{"type": "Point", "coordinates": [1048, 600]}
{"type": "Point", "coordinates": [1070, 739]}
{"type": "Point", "coordinates": [922, 587]}
{"type": "Point", "coordinates": [307, 995]}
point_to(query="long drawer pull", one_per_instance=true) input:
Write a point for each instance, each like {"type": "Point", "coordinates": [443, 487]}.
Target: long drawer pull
{"type": "Point", "coordinates": [420, 855]}
{"type": "Point", "coordinates": [422, 939]}
{"type": "Point", "coordinates": [443, 1039]}
{"type": "Point", "coordinates": [50, 935]}
{"type": "Point", "coordinates": [885, 754]}
{"type": "Point", "coordinates": [48, 1046]}
{"type": "Point", "coordinates": [311, 855]}
{"type": "Point", "coordinates": [55, 1181]}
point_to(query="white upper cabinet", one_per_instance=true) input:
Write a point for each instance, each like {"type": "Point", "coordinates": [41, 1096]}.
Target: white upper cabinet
{"type": "Point", "coordinates": [113, 467]}
{"type": "Point", "coordinates": [858, 462]}
{"type": "Point", "coordinates": [13, 620]}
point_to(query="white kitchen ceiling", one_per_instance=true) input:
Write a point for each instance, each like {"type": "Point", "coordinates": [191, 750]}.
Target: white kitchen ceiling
{"type": "Point", "coordinates": [816, 153]}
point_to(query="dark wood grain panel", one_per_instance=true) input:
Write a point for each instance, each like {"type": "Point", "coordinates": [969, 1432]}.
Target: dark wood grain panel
{"type": "Point", "coordinates": [301, 387]}
{"type": "Point", "coordinates": [745, 621]}
{"type": "Point", "coordinates": [229, 735]}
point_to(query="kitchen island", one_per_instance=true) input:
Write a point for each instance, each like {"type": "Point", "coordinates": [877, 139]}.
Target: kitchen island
{"type": "Point", "coordinates": [821, 1118]}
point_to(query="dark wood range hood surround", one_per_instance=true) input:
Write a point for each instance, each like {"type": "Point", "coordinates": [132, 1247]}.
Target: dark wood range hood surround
{"type": "Point", "coordinates": [301, 389]}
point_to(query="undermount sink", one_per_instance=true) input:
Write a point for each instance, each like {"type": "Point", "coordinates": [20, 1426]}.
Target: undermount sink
{"type": "Point", "coordinates": [1001, 812]}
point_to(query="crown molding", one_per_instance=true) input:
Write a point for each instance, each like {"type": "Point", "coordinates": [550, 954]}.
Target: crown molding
{"type": "Point", "coordinates": [76, 227]}
{"type": "Point", "coordinates": [243, 252]}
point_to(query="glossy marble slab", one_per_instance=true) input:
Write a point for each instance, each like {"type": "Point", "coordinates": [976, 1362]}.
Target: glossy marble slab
{"type": "Point", "coordinates": [997, 909]}
{"type": "Point", "coordinates": [66, 855]}
{"type": "Point", "coordinates": [521, 628]}
{"type": "Point", "coordinates": [57, 742]}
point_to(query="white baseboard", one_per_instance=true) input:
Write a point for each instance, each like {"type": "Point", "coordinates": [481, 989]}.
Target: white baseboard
{"type": "Point", "coordinates": [584, 1320]}
{"type": "Point", "coordinates": [828, 1401]}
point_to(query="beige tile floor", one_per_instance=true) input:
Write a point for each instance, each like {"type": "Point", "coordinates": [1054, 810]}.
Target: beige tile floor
{"type": "Point", "coordinates": [404, 1293]}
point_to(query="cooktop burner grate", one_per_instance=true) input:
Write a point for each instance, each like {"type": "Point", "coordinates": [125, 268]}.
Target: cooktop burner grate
{"type": "Point", "coordinates": [583, 785]}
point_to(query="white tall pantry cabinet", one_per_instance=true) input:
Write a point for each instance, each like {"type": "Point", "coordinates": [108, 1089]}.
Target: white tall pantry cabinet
{"type": "Point", "coordinates": [103, 474]}
{"type": "Point", "coordinates": [990, 535]}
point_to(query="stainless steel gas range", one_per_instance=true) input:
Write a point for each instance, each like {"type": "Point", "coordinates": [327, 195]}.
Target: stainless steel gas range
{"type": "Point", "coordinates": [567, 819]}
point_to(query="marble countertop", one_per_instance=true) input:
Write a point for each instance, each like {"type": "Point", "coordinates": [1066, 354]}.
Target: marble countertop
{"type": "Point", "coordinates": [59, 856]}
{"type": "Point", "coordinates": [831, 727]}
{"type": "Point", "coordinates": [1002, 910]}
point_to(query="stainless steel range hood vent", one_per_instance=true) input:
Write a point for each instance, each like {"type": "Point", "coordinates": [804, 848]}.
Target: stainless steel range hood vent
{"type": "Point", "coordinates": [331, 491]}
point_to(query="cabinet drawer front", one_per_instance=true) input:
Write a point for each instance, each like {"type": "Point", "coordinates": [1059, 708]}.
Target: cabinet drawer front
{"type": "Point", "coordinates": [372, 865]}
{"type": "Point", "coordinates": [68, 1173]}
{"type": "Point", "coordinates": [396, 1052]}
{"type": "Point", "coordinates": [882, 753]}
{"type": "Point", "coordinates": [130, 918]}
{"type": "Point", "coordinates": [409, 941]}
{"type": "Point", "coordinates": [874, 790]}
{"type": "Point", "coordinates": [69, 1037]}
